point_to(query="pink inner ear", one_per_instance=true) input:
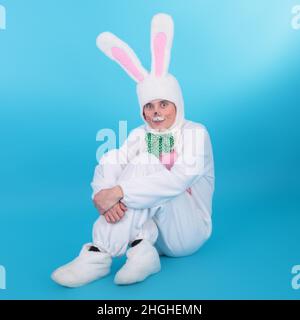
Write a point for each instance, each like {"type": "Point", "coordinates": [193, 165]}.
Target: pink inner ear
{"type": "Point", "coordinates": [120, 55]}
{"type": "Point", "coordinates": [159, 44]}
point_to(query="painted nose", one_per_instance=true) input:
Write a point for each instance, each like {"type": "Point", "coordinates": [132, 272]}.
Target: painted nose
{"type": "Point", "coordinates": [156, 109]}
{"type": "Point", "coordinates": [156, 113]}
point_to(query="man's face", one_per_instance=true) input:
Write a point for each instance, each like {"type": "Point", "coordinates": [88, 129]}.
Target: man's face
{"type": "Point", "coordinates": [160, 114]}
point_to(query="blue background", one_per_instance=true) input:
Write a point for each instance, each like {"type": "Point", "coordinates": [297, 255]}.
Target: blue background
{"type": "Point", "coordinates": [238, 64]}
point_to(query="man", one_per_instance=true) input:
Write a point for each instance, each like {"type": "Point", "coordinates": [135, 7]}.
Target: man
{"type": "Point", "coordinates": [155, 192]}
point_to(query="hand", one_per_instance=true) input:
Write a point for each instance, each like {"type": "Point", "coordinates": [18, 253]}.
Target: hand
{"type": "Point", "coordinates": [107, 198]}
{"type": "Point", "coordinates": [115, 213]}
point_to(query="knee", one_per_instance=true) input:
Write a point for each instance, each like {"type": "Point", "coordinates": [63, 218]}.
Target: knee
{"type": "Point", "coordinates": [188, 246]}
{"type": "Point", "coordinates": [99, 222]}
{"type": "Point", "coordinates": [101, 225]}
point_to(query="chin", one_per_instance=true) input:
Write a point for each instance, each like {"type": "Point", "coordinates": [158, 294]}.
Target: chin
{"type": "Point", "coordinates": [161, 129]}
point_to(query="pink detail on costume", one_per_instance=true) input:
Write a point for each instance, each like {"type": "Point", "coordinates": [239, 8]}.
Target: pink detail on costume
{"type": "Point", "coordinates": [159, 43]}
{"type": "Point", "coordinates": [189, 190]}
{"type": "Point", "coordinates": [121, 56]}
{"type": "Point", "coordinates": [168, 160]}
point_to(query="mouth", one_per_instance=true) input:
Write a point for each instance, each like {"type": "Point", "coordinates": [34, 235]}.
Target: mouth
{"type": "Point", "coordinates": [158, 120]}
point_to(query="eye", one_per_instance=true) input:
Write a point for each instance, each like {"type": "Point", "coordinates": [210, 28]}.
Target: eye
{"type": "Point", "coordinates": [164, 104]}
{"type": "Point", "coordinates": [148, 106]}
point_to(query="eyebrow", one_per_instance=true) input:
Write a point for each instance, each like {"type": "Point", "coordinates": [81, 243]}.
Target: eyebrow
{"type": "Point", "coordinates": [160, 101]}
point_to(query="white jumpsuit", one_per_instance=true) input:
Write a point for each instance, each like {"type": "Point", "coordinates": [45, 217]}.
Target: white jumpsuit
{"type": "Point", "coordinates": [170, 208]}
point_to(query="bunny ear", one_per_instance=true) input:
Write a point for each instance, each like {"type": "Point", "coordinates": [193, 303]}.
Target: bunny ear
{"type": "Point", "coordinates": [162, 30]}
{"type": "Point", "coordinates": [120, 52]}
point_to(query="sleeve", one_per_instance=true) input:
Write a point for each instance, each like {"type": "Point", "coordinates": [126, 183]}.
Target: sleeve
{"type": "Point", "coordinates": [101, 180]}
{"type": "Point", "coordinates": [112, 163]}
{"type": "Point", "coordinates": [156, 188]}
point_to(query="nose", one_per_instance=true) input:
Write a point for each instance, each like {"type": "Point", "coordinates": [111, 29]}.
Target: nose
{"type": "Point", "coordinates": [156, 109]}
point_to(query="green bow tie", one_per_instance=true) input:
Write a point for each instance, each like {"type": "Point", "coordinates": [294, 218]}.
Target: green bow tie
{"type": "Point", "coordinates": [158, 143]}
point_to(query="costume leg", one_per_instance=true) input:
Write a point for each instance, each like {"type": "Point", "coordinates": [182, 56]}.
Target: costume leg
{"type": "Point", "coordinates": [114, 238]}
{"type": "Point", "coordinates": [142, 259]}
{"type": "Point", "coordinates": [184, 223]}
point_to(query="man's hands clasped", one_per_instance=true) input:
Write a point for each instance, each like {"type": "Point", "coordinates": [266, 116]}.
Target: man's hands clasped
{"type": "Point", "coordinates": [116, 213]}
{"type": "Point", "coordinates": [108, 203]}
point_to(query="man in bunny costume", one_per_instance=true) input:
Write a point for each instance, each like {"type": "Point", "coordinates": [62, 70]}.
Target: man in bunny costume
{"type": "Point", "coordinates": [158, 185]}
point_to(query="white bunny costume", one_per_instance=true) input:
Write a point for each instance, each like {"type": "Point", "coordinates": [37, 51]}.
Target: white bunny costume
{"type": "Point", "coordinates": [169, 199]}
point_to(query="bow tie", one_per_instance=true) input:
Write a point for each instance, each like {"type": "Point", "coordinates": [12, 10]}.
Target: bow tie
{"type": "Point", "coordinates": [159, 143]}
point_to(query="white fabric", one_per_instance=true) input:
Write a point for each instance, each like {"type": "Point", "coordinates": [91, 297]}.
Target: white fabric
{"type": "Point", "coordinates": [161, 23]}
{"type": "Point", "coordinates": [87, 267]}
{"type": "Point", "coordinates": [150, 85]}
{"type": "Point", "coordinates": [107, 40]}
{"type": "Point", "coordinates": [154, 194]}
{"type": "Point", "coordinates": [142, 261]}
{"type": "Point", "coordinates": [166, 88]}
{"type": "Point", "coordinates": [114, 238]}
{"type": "Point", "coordinates": [160, 209]}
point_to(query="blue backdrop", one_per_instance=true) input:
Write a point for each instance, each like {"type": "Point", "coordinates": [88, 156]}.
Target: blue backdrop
{"type": "Point", "coordinates": [239, 68]}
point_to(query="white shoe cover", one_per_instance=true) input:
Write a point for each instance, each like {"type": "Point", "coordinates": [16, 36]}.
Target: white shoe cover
{"type": "Point", "coordinates": [142, 261]}
{"type": "Point", "coordinates": [87, 267]}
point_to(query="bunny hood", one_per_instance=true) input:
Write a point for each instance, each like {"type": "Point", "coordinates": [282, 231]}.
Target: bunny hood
{"type": "Point", "coordinates": [158, 84]}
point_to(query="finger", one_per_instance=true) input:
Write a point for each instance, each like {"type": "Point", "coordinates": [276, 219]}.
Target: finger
{"type": "Point", "coordinates": [115, 215]}
{"type": "Point", "coordinates": [120, 209]}
{"type": "Point", "coordinates": [117, 210]}
{"type": "Point", "coordinates": [123, 207]}
{"type": "Point", "coordinates": [120, 212]}
{"type": "Point", "coordinates": [111, 207]}
{"type": "Point", "coordinates": [106, 216]}
{"type": "Point", "coordinates": [111, 217]}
